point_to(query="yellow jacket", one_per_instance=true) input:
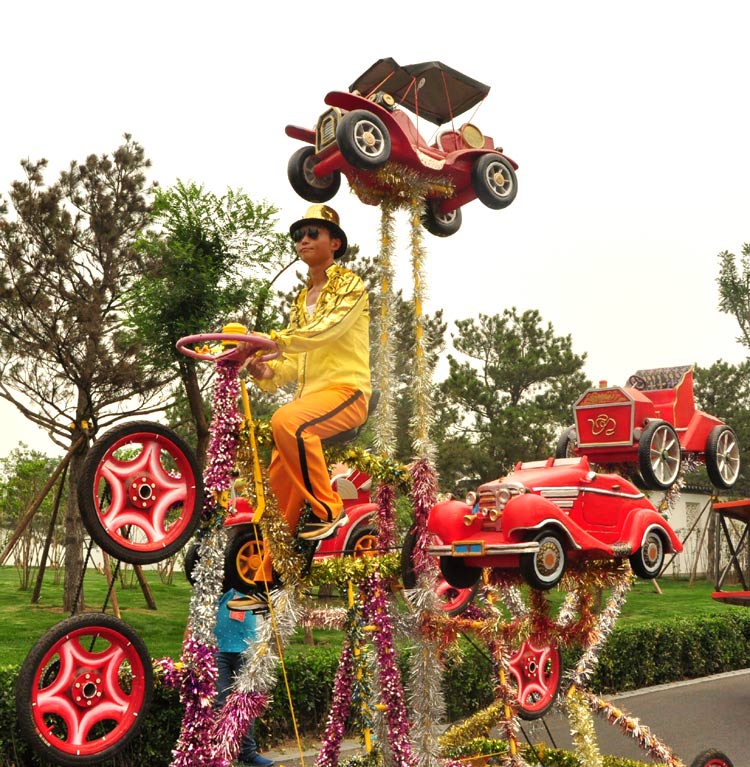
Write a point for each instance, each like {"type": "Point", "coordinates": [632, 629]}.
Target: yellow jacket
{"type": "Point", "coordinates": [331, 347]}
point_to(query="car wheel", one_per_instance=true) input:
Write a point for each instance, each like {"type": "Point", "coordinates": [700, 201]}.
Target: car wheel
{"type": "Point", "coordinates": [494, 181]}
{"type": "Point", "coordinates": [440, 224]}
{"type": "Point", "coordinates": [711, 758]}
{"type": "Point", "coordinates": [648, 560]}
{"type": "Point", "coordinates": [363, 542]}
{"type": "Point", "coordinates": [452, 600]}
{"type": "Point", "coordinates": [304, 181]}
{"type": "Point", "coordinates": [536, 669]}
{"type": "Point", "coordinates": [363, 140]}
{"type": "Point", "coordinates": [544, 569]}
{"type": "Point", "coordinates": [722, 457]}
{"type": "Point", "coordinates": [140, 493]}
{"type": "Point", "coordinates": [84, 690]}
{"type": "Point", "coordinates": [566, 444]}
{"type": "Point", "coordinates": [244, 555]}
{"type": "Point", "coordinates": [659, 455]}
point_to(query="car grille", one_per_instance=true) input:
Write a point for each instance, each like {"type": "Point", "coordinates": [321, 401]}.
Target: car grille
{"type": "Point", "coordinates": [325, 133]}
{"type": "Point", "coordinates": [488, 505]}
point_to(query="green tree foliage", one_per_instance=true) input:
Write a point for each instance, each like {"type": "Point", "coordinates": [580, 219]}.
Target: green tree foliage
{"type": "Point", "coordinates": [208, 264]}
{"type": "Point", "coordinates": [723, 390]}
{"type": "Point", "coordinates": [509, 398]}
{"type": "Point", "coordinates": [23, 476]}
{"type": "Point", "coordinates": [68, 259]}
{"type": "Point", "coordinates": [734, 290]}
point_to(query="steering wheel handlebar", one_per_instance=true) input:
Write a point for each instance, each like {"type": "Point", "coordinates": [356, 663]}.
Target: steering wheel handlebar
{"type": "Point", "coordinates": [235, 347]}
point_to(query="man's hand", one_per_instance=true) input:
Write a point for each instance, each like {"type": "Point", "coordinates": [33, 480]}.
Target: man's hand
{"type": "Point", "coordinates": [256, 367]}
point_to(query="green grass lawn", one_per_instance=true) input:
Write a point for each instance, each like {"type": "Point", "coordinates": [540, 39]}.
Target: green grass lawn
{"type": "Point", "coordinates": [23, 623]}
{"type": "Point", "coordinates": [162, 629]}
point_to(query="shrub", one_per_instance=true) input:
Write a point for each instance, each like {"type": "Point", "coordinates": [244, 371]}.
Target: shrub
{"type": "Point", "coordinates": [633, 657]}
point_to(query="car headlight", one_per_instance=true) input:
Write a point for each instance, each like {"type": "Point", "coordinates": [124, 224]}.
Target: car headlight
{"type": "Point", "coordinates": [472, 136]}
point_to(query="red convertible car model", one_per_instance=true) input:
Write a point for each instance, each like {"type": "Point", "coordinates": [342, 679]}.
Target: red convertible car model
{"type": "Point", "coordinates": [652, 422]}
{"type": "Point", "coordinates": [367, 127]}
{"type": "Point", "coordinates": [544, 515]}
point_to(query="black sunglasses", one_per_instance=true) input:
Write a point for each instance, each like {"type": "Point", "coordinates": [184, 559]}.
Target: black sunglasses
{"type": "Point", "coordinates": [311, 231]}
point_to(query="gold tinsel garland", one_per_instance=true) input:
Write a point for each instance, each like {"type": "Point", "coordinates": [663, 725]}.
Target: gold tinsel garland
{"type": "Point", "coordinates": [342, 570]}
{"type": "Point", "coordinates": [582, 729]}
{"type": "Point", "coordinates": [395, 185]}
{"type": "Point", "coordinates": [422, 417]}
{"type": "Point", "coordinates": [631, 726]}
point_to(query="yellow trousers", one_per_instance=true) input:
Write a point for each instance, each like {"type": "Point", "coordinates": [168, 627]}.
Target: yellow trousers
{"type": "Point", "coordinates": [298, 470]}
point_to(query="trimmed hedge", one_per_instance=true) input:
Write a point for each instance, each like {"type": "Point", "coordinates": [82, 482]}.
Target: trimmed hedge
{"type": "Point", "coordinates": [667, 651]}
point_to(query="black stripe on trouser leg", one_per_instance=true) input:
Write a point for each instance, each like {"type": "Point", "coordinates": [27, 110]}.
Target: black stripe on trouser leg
{"type": "Point", "coordinates": [301, 445]}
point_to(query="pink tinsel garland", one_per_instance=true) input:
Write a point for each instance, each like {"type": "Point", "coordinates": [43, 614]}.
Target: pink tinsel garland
{"type": "Point", "coordinates": [376, 613]}
{"type": "Point", "coordinates": [234, 720]}
{"type": "Point", "coordinates": [423, 497]}
{"type": "Point", "coordinates": [328, 755]}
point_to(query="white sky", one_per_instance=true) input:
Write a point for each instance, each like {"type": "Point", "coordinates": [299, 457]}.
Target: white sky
{"type": "Point", "coordinates": [628, 121]}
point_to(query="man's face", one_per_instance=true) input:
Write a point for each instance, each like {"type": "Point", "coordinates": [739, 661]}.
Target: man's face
{"type": "Point", "coordinates": [315, 244]}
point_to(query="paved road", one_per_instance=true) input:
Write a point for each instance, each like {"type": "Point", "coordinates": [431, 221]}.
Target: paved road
{"type": "Point", "coordinates": [688, 717]}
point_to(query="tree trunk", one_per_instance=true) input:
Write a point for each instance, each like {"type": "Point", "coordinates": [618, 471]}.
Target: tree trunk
{"type": "Point", "coordinates": [74, 535]}
{"type": "Point", "coordinates": [195, 402]}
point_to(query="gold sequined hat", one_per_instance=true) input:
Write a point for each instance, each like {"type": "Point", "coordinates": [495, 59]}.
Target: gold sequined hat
{"type": "Point", "coordinates": [322, 214]}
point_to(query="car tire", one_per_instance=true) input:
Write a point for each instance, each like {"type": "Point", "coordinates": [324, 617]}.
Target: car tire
{"type": "Point", "coordinates": [566, 443]}
{"type": "Point", "coordinates": [648, 559]}
{"type": "Point", "coordinates": [722, 457]}
{"type": "Point", "coordinates": [308, 186]}
{"type": "Point", "coordinates": [659, 455]}
{"type": "Point", "coordinates": [163, 468]}
{"type": "Point", "coordinates": [363, 140]}
{"type": "Point", "coordinates": [440, 224]}
{"type": "Point", "coordinates": [68, 713]}
{"type": "Point", "coordinates": [712, 758]}
{"type": "Point", "coordinates": [543, 569]}
{"type": "Point", "coordinates": [494, 181]}
{"type": "Point", "coordinates": [458, 573]}
{"type": "Point", "coordinates": [452, 600]}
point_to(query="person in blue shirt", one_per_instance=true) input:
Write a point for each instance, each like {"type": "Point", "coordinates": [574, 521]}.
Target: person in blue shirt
{"type": "Point", "coordinates": [234, 630]}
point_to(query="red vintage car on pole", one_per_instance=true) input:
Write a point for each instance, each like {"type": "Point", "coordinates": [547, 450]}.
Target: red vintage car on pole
{"type": "Point", "coordinates": [652, 423]}
{"type": "Point", "coordinates": [544, 515]}
{"type": "Point", "coordinates": [366, 127]}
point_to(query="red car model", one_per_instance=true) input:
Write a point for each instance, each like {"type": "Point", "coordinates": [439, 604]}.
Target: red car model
{"type": "Point", "coordinates": [367, 127]}
{"type": "Point", "coordinates": [358, 537]}
{"type": "Point", "coordinates": [653, 423]}
{"type": "Point", "coordinates": [545, 514]}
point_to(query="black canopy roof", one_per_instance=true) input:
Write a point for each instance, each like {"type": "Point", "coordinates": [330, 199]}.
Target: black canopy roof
{"type": "Point", "coordinates": [431, 89]}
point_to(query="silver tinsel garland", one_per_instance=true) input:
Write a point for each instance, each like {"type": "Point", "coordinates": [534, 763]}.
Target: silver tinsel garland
{"type": "Point", "coordinates": [426, 674]}
{"type": "Point", "coordinates": [259, 670]}
{"type": "Point", "coordinates": [207, 590]}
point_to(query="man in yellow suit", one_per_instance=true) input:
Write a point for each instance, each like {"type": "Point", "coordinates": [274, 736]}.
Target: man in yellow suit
{"type": "Point", "coordinates": [326, 350]}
